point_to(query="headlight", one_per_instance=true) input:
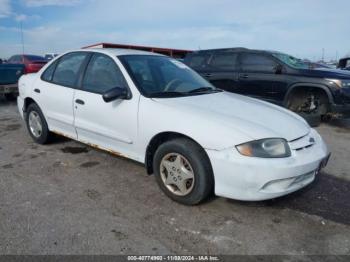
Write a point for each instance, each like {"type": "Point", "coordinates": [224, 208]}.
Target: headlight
{"type": "Point", "coordinates": [266, 148]}
{"type": "Point", "coordinates": [339, 83]}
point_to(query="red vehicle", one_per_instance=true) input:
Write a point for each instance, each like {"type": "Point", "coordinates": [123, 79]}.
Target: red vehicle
{"type": "Point", "coordinates": [32, 63]}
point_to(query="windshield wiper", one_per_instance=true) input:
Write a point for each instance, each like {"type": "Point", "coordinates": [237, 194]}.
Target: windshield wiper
{"type": "Point", "coordinates": [204, 89]}
{"type": "Point", "coordinates": [167, 94]}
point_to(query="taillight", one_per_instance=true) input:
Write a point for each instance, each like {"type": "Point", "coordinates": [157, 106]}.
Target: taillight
{"type": "Point", "coordinates": [31, 68]}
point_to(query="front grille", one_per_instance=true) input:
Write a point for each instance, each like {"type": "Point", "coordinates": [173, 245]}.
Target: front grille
{"type": "Point", "coordinates": [302, 143]}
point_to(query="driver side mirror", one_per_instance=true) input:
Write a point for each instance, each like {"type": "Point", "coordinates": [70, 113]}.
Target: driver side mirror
{"type": "Point", "coordinates": [278, 69]}
{"type": "Point", "coordinates": [116, 93]}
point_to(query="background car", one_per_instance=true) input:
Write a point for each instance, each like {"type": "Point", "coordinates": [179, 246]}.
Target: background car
{"type": "Point", "coordinates": [49, 56]}
{"type": "Point", "coordinates": [32, 63]}
{"type": "Point", "coordinates": [276, 77]}
{"type": "Point", "coordinates": [9, 75]}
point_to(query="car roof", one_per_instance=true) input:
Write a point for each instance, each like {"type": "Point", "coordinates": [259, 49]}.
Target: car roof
{"type": "Point", "coordinates": [234, 49]}
{"type": "Point", "coordinates": [118, 51]}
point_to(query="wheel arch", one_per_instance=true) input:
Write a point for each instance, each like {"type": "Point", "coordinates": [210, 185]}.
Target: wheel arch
{"type": "Point", "coordinates": [27, 102]}
{"type": "Point", "coordinates": [308, 85]}
{"type": "Point", "coordinates": [159, 139]}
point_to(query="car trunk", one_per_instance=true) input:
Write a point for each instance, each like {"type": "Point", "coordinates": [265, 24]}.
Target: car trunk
{"type": "Point", "coordinates": [34, 66]}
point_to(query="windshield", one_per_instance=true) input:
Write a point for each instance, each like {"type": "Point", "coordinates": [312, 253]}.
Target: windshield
{"type": "Point", "coordinates": [160, 76]}
{"type": "Point", "coordinates": [291, 61]}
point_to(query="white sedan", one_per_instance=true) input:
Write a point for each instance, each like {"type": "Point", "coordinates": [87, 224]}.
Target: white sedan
{"type": "Point", "coordinates": [196, 139]}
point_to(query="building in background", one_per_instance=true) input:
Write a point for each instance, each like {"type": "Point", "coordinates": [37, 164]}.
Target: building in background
{"type": "Point", "coordinates": [176, 53]}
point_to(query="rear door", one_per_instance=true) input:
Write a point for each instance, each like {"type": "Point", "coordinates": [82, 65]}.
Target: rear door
{"type": "Point", "coordinates": [258, 76]}
{"type": "Point", "coordinates": [55, 92]}
{"type": "Point", "coordinates": [113, 125]}
{"type": "Point", "coordinates": [222, 71]}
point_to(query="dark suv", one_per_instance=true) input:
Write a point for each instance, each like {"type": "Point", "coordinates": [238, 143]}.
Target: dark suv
{"type": "Point", "coordinates": [276, 77]}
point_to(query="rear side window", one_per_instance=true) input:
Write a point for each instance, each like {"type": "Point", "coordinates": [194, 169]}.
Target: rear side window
{"type": "Point", "coordinates": [68, 68]}
{"type": "Point", "coordinates": [102, 74]}
{"type": "Point", "coordinates": [225, 61]}
{"type": "Point", "coordinates": [257, 63]}
{"type": "Point", "coordinates": [196, 60]}
{"type": "Point", "coordinates": [47, 75]}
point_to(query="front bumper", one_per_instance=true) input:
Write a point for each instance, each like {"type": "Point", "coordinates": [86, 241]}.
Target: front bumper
{"type": "Point", "coordinates": [8, 89]}
{"type": "Point", "coordinates": [20, 105]}
{"type": "Point", "coordinates": [254, 179]}
{"type": "Point", "coordinates": [341, 105]}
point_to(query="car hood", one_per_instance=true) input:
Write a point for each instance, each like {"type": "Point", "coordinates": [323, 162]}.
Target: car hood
{"type": "Point", "coordinates": [326, 73]}
{"type": "Point", "coordinates": [250, 117]}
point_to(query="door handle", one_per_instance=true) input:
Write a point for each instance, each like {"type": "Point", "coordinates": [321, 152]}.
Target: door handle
{"type": "Point", "coordinates": [243, 76]}
{"type": "Point", "coordinates": [79, 101]}
{"type": "Point", "coordinates": [37, 90]}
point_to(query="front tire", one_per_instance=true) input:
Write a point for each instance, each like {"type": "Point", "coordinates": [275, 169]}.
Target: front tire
{"type": "Point", "coordinates": [183, 171]}
{"type": "Point", "coordinates": [36, 124]}
{"type": "Point", "coordinates": [309, 104]}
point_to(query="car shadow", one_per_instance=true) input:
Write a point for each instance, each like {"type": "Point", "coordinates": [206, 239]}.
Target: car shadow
{"type": "Point", "coordinates": [342, 123]}
{"type": "Point", "coordinates": [5, 102]}
{"type": "Point", "coordinates": [327, 197]}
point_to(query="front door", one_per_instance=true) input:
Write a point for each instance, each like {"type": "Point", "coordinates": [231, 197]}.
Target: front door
{"type": "Point", "coordinates": [259, 77]}
{"type": "Point", "coordinates": [222, 71]}
{"type": "Point", "coordinates": [111, 126]}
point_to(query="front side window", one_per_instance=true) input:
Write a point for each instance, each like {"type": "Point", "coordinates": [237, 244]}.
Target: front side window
{"type": "Point", "coordinates": [160, 76]}
{"type": "Point", "coordinates": [102, 74]}
{"type": "Point", "coordinates": [68, 68]}
{"type": "Point", "coordinates": [347, 63]}
{"type": "Point", "coordinates": [291, 61]}
{"type": "Point", "coordinates": [257, 63]}
{"type": "Point", "coordinates": [224, 61]}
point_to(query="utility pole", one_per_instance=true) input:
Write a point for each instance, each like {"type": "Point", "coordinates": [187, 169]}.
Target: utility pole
{"type": "Point", "coordinates": [322, 55]}
{"type": "Point", "coordinates": [22, 39]}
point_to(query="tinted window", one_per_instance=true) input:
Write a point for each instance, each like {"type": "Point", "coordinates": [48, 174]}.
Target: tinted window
{"type": "Point", "coordinates": [102, 74]}
{"type": "Point", "coordinates": [196, 61]}
{"type": "Point", "coordinates": [15, 59]}
{"type": "Point", "coordinates": [12, 59]}
{"type": "Point", "coordinates": [67, 70]}
{"type": "Point", "coordinates": [47, 75]}
{"type": "Point", "coordinates": [224, 61]}
{"type": "Point", "coordinates": [257, 62]}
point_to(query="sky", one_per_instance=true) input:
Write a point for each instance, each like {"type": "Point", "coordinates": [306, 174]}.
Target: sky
{"type": "Point", "coordinates": [300, 27]}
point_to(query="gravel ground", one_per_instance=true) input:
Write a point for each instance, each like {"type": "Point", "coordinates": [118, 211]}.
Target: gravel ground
{"type": "Point", "coordinates": [68, 198]}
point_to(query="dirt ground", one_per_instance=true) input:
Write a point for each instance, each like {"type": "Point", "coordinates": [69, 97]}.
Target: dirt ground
{"type": "Point", "coordinates": [68, 198]}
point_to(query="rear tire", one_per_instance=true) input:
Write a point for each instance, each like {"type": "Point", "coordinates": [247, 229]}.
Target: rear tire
{"type": "Point", "coordinates": [183, 171]}
{"type": "Point", "coordinates": [37, 125]}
